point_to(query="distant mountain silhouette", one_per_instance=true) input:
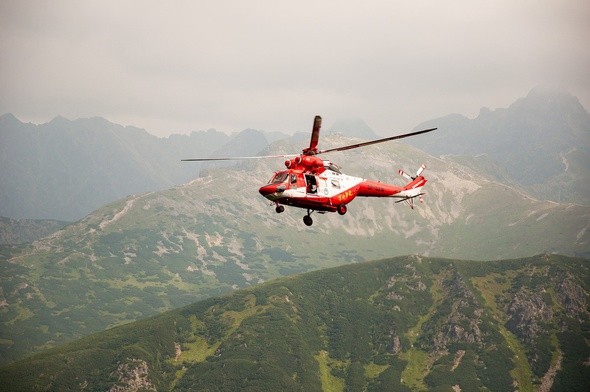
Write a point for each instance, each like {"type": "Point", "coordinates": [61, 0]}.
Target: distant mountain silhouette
{"type": "Point", "coordinates": [353, 128]}
{"type": "Point", "coordinates": [66, 169]}
{"type": "Point", "coordinates": [542, 140]}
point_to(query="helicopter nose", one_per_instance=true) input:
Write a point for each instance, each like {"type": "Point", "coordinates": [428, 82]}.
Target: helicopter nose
{"type": "Point", "coordinates": [271, 189]}
{"type": "Point", "coordinates": [267, 190]}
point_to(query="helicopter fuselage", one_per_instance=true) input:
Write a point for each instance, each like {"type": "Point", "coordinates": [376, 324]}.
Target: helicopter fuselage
{"type": "Point", "coordinates": [330, 190]}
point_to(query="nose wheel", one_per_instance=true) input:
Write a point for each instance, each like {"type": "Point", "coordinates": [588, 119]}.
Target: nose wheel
{"type": "Point", "coordinates": [307, 219]}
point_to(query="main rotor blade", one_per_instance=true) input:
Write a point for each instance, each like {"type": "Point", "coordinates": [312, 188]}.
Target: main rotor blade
{"type": "Point", "coordinates": [315, 133]}
{"type": "Point", "coordinates": [376, 141]}
{"type": "Point", "coordinates": [238, 158]}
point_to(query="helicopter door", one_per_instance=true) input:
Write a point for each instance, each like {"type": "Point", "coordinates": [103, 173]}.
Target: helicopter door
{"type": "Point", "coordinates": [312, 185]}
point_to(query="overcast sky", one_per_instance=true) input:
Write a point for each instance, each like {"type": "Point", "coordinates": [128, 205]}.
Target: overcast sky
{"type": "Point", "coordinates": [176, 67]}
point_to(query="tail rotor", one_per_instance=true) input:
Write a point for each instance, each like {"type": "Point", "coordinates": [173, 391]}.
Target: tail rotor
{"type": "Point", "coordinates": [404, 174]}
{"type": "Point", "coordinates": [413, 189]}
{"type": "Point", "coordinates": [407, 176]}
{"type": "Point", "coordinates": [420, 170]}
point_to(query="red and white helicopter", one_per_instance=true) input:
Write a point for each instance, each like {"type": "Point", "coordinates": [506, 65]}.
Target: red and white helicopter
{"type": "Point", "coordinates": [314, 184]}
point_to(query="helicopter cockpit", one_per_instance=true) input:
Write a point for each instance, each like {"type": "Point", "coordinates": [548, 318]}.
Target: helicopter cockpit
{"type": "Point", "coordinates": [279, 177]}
{"type": "Point", "coordinates": [289, 179]}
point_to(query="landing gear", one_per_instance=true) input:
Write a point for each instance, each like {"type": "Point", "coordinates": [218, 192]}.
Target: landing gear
{"type": "Point", "coordinates": [279, 208]}
{"type": "Point", "coordinates": [342, 209]}
{"type": "Point", "coordinates": [307, 218]}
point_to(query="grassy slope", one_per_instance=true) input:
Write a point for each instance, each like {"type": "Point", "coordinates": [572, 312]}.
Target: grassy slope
{"type": "Point", "coordinates": [335, 330]}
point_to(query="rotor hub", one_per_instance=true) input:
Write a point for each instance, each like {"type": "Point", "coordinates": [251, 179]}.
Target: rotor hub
{"type": "Point", "coordinates": [305, 163]}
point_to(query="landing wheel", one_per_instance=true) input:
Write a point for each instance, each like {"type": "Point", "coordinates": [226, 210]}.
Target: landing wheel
{"type": "Point", "coordinates": [307, 220]}
{"type": "Point", "coordinates": [342, 209]}
{"type": "Point", "coordinates": [280, 209]}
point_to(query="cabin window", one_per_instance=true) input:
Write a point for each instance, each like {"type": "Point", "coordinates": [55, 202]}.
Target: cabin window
{"type": "Point", "coordinates": [312, 186]}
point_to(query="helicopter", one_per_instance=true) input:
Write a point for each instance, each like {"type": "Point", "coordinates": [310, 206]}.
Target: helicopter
{"type": "Point", "coordinates": [318, 185]}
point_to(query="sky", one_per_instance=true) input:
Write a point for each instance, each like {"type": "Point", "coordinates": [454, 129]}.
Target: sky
{"type": "Point", "coordinates": [183, 66]}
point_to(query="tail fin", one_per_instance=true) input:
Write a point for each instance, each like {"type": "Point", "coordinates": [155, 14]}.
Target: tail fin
{"type": "Point", "coordinates": [414, 188]}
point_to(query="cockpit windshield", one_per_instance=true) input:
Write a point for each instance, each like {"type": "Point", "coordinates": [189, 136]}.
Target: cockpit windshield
{"type": "Point", "coordinates": [279, 177]}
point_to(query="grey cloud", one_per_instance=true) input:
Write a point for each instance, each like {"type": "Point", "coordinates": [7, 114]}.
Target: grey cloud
{"type": "Point", "coordinates": [273, 65]}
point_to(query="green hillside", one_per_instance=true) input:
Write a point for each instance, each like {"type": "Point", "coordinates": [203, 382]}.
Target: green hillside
{"type": "Point", "coordinates": [408, 323]}
{"type": "Point", "coordinates": [22, 231]}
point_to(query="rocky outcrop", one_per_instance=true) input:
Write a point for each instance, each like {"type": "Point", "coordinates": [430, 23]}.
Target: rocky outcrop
{"type": "Point", "coordinates": [527, 311]}
{"type": "Point", "coordinates": [395, 343]}
{"type": "Point", "coordinates": [132, 375]}
{"type": "Point", "coordinates": [462, 323]}
{"type": "Point", "coordinates": [572, 297]}
{"type": "Point", "coordinates": [540, 300]}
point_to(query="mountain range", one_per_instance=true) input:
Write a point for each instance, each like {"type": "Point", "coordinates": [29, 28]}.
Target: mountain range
{"type": "Point", "coordinates": [165, 234]}
{"type": "Point", "coordinates": [541, 141]}
{"type": "Point", "coordinates": [158, 250]}
{"type": "Point", "coordinates": [405, 324]}
{"type": "Point", "coordinates": [64, 169]}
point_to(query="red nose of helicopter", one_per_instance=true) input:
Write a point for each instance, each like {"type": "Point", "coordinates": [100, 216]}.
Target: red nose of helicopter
{"type": "Point", "coordinates": [271, 190]}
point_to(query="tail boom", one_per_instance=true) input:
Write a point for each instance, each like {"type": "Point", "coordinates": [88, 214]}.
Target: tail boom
{"type": "Point", "coordinates": [370, 188]}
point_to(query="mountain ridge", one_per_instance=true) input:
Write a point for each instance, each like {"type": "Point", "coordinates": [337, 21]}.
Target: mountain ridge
{"type": "Point", "coordinates": [406, 323]}
{"type": "Point", "coordinates": [152, 251]}
{"type": "Point", "coordinates": [542, 140]}
{"type": "Point", "coordinates": [66, 169]}
{"type": "Point", "coordinates": [14, 232]}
